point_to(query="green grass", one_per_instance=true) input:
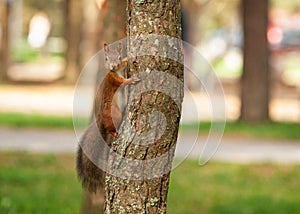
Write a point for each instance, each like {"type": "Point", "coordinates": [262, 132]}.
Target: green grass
{"type": "Point", "coordinates": [276, 130]}
{"type": "Point", "coordinates": [37, 121]}
{"type": "Point", "coordinates": [48, 184]}
{"type": "Point", "coordinates": [38, 184]}
{"type": "Point", "coordinates": [227, 188]}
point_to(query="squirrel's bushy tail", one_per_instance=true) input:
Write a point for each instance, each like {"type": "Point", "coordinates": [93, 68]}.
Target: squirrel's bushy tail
{"type": "Point", "coordinates": [90, 149]}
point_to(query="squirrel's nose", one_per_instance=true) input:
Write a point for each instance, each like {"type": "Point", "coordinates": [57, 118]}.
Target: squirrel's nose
{"type": "Point", "coordinates": [113, 67]}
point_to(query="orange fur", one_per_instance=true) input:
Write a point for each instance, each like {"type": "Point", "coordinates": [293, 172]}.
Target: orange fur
{"type": "Point", "coordinates": [109, 114]}
{"type": "Point", "coordinates": [108, 119]}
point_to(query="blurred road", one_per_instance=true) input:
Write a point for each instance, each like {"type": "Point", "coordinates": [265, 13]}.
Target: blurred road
{"type": "Point", "coordinates": [58, 100]}
{"type": "Point", "coordinates": [231, 149]}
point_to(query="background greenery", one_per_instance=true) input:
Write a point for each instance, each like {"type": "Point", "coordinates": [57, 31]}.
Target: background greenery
{"type": "Point", "coordinates": [277, 130]}
{"type": "Point", "coordinates": [48, 184]}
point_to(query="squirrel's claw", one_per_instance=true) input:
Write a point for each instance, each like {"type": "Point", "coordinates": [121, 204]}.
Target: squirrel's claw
{"type": "Point", "coordinates": [115, 134]}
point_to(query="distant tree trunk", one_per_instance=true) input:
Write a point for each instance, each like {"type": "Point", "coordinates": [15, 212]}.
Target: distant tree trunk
{"type": "Point", "coordinates": [255, 78]}
{"type": "Point", "coordinates": [134, 190]}
{"type": "Point", "coordinates": [191, 13]}
{"type": "Point", "coordinates": [5, 42]}
{"type": "Point", "coordinates": [111, 26]}
{"type": "Point", "coordinates": [112, 22]}
{"type": "Point", "coordinates": [73, 17]}
{"type": "Point", "coordinates": [89, 29]}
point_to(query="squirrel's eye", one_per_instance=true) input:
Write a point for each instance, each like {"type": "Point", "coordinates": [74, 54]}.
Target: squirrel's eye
{"type": "Point", "coordinates": [106, 58]}
{"type": "Point", "coordinates": [119, 58]}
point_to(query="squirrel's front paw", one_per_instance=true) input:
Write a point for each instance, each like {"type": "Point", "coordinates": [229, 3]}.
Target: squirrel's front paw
{"type": "Point", "coordinates": [115, 133]}
{"type": "Point", "coordinates": [125, 61]}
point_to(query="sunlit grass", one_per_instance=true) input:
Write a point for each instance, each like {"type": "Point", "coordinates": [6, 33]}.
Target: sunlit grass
{"type": "Point", "coordinates": [38, 184]}
{"type": "Point", "coordinates": [35, 120]}
{"type": "Point", "coordinates": [39, 121]}
{"type": "Point", "coordinates": [234, 189]}
{"type": "Point", "coordinates": [276, 130]}
{"type": "Point", "coordinates": [48, 184]}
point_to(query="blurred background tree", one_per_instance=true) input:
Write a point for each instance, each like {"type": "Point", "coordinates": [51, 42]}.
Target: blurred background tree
{"type": "Point", "coordinates": [215, 27]}
{"type": "Point", "coordinates": [255, 77]}
{"type": "Point", "coordinates": [73, 26]}
{"type": "Point", "coordinates": [5, 40]}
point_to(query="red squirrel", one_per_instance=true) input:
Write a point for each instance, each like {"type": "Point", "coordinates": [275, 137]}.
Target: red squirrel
{"type": "Point", "coordinates": [110, 115]}
{"type": "Point", "coordinates": [108, 118]}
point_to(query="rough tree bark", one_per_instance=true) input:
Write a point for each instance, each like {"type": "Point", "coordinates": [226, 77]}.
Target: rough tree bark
{"type": "Point", "coordinates": [142, 140]}
{"type": "Point", "coordinates": [111, 26]}
{"type": "Point", "coordinates": [4, 43]}
{"type": "Point", "coordinates": [255, 78]}
{"type": "Point", "coordinates": [73, 17]}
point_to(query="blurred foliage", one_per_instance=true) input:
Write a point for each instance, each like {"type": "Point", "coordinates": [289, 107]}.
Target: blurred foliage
{"type": "Point", "coordinates": [223, 71]}
{"type": "Point", "coordinates": [23, 52]}
{"type": "Point", "coordinates": [290, 6]}
{"type": "Point", "coordinates": [54, 9]}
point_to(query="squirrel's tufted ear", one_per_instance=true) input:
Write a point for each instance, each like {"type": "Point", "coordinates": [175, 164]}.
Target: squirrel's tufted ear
{"type": "Point", "coordinates": [106, 48]}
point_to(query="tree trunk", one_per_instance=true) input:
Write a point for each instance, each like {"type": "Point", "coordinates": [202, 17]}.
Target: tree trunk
{"type": "Point", "coordinates": [5, 42]}
{"type": "Point", "coordinates": [140, 161]}
{"type": "Point", "coordinates": [191, 26]}
{"type": "Point", "coordinates": [111, 26]}
{"type": "Point", "coordinates": [255, 78]}
{"type": "Point", "coordinates": [74, 14]}
{"type": "Point", "coordinates": [89, 30]}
